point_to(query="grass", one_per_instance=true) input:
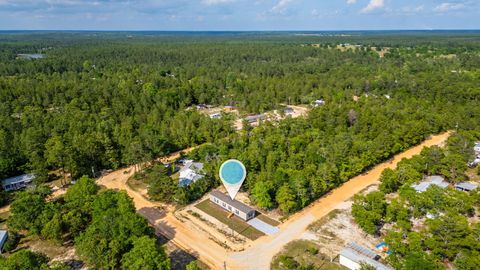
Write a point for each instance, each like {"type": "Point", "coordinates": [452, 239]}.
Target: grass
{"type": "Point", "coordinates": [304, 253]}
{"type": "Point", "coordinates": [315, 226]}
{"type": "Point", "coordinates": [3, 220]}
{"type": "Point", "coordinates": [233, 223]}
{"type": "Point", "coordinates": [267, 220]}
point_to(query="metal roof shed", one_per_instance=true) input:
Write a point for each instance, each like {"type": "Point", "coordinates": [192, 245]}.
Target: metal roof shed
{"type": "Point", "coordinates": [3, 239]}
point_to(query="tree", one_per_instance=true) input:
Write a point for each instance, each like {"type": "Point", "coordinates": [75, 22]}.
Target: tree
{"type": "Point", "coordinates": [145, 254]}
{"type": "Point", "coordinates": [24, 210]}
{"type": "Point", "coordinates": [24, 260]}
{"type": "Point", "coordinates": [389, 181]}
{"type": "Point", "coordinates": [193, 266]}
{"type": "Point", "coordinates": [368, 211]}
{"type": "Point", "coordinates": [261, 194]}
{"type": "Point", "coordinates": [286, 199]}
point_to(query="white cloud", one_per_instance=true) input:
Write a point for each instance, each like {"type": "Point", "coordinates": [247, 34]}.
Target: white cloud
{"type": "Point", "coordinates": [373, 5]}
{"type": "Point", "coordinates": [351, 2]}
{"type": "Point", "coordinates": [281, 6]}
{"type": "Point", "coordinates": [216, 2]}
{"type": "Point", "coordinates": [445, 7]}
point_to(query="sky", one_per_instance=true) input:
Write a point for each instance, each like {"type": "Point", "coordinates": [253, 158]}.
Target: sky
{"type": "Point", "coordinates": [238, 15]}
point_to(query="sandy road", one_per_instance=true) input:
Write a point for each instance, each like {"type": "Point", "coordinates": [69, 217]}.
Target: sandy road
{"type": "Point", "coordinates": [261, 253]}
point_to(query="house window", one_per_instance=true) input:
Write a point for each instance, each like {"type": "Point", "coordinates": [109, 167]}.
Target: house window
{"type": "Point", "coordinates": [229, 208]}
{"type": "Point", "coordinates": [236, 212]}
{"type": "Point", "coordinates": [223, 204]}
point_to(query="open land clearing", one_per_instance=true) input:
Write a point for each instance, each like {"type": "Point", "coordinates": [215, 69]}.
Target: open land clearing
{"type": "Point", "coordinates": [260, 252]}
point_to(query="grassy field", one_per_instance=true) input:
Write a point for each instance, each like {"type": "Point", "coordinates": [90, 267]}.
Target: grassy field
{"type": "Point", "coordinates": [233, 223]}
{"type": "Point", "coordinates": [3, 220]}
{"type": "Point", "coordinates": [267, 220]}
{"type": "Point", "coordinates": [315, 226]}
{"type": "Point", "coordinates": [302, 253]}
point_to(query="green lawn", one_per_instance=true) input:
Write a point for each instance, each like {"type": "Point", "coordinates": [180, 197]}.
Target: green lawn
{"type": "Point", "coordinates": [267, 220]}
{"type": "Point", "coordinates": [303, 253]}
{"type": "Point", "coordinates": [233, 223]}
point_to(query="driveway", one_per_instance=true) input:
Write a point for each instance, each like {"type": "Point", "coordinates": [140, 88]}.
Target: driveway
{"type": "Point", "coordinates": [262, 226]}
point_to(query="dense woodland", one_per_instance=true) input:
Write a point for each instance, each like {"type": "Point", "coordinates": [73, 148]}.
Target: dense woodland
{"type": "Point", "coordinates": [431, 229]}
{"type": "Point", "coordinates": [106, 100]}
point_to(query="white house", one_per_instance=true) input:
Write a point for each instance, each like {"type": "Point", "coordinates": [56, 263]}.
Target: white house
{"type": "Point", "coordinates": [353, 256]}
{"type": "Point", "coordinates": [466, 186]}
{"type": "Point", "coordinates": [237, 208]}
{"type": "Point", "coordinates": [3, 239]}
{"type": "Point", "coordinates": [215, 116]}
{"type": "Point", "coordinates": [191, 172]}
{"type": "Point", "coordinates": [17, 182]}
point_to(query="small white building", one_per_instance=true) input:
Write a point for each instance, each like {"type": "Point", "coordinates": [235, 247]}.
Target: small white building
{"type": "Point", "coordinates": [436, 180]}
{"type": "Point", "coordinates": [237, 208]}
{"type": "Point", "coordinates": [318, 103]}
{"type": "Point", "coordinates": [3, 239]}
{"type": "Point", "coordinates": [17, 182]}
{"type": "Point", "coordinates": [288, 110]}
{"type": "Point", "coordinates": [255, 118]}
{"type": "Point", "coordinates": [191, 172]}
{"type": "Point", "coordinates": [353, 256]}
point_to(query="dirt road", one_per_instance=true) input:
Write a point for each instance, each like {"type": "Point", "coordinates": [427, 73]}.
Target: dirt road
{"type": "Point", "coordinates": [261, 253]}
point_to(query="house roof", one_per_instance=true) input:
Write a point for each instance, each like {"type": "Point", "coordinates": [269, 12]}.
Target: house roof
{"type": "Point", "coordinates": [18, 179]}
{"type": "Point", "coordinates": [236, 204]}
{"type": "Point", "coordinates": [466, 186]}
{"type": "Point", "coordinates": [362, 250]}
{"type": "Point", "coordinates": [430, 180]}
{"type": "Point", "coordinates": [3, 237]}
{"type": "Point", "coordinates": [255, 117]}
{"type": "Point", "coordinates": [359, 258]}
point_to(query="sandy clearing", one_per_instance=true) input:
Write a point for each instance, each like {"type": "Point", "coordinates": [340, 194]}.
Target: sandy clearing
{"type": "Point", "coordinates": [261, 253]}
{"type": "Point", "coordinates": [5, 209]}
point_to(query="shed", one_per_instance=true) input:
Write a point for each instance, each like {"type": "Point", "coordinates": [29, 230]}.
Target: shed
{"type": "Point", "coordinates": [17, 182]}
{"type": "Point", "coordinates": [239, 209]}
{"type": "Point", "coordinates": [288, 110]}
{"type": "Point", "coordinates": [215, 116]}
{"type": "Point", "coordinates": [255, 118]}
{"type": "Point", "coordinates": [436, 180]}
{"type": "Point", "coordinates": [476, 148]}
{"type": "Point", "coordinates": [318, 103]}
{"type": "Point", "coordinates": [466, 186]}
{"type": "Point", "coordinates": [3, 239]}
{"type": "Point", "coordinates": [353, 260]}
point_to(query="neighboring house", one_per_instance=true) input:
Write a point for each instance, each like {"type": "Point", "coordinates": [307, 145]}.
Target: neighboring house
{"type": "Point", "coordinates": [436, 180]}
{"type": "Point", "coordinates": [237, 208]}
{"type": "Point", "coordinates": [466, 186]}
{"type": "Point", "coordinates": [318, 103]}
{"type": "Point", "coordinates": [255, 118]}
{"type": "Point", "coordinates": [288, 110]}
{"type": "Point", "coordinates": [3, 239]}
{"type": "Point", "coordinates": [191, 172]}
{"type": "Point", "coordinates": [475, 162]}
{"type": "Point", "coordinates": [353, 256]}
{"type": "Point", "coordinates": [17, 182]}
{"type": "Point", "coordinates": [228, 108]}
{"type": "Point", "coordinates": [215, 116]}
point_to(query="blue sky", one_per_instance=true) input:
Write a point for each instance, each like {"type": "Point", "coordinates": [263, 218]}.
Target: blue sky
{"type": "Point", "coordinates": [239, 14]}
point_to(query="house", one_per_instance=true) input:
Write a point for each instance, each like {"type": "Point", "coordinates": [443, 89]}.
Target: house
{"type": "Point", "coordinates": [288, 110]}
{"type": "Point", "coordinates": [436, 180]}
{"type": "Point", "coordinates": [3, 239]}
{"type": "Point", "coordinates": [354, 255]}
{"type": "Point", "coordinates": [237, 208]}
{"type": "Point", "coordinates": [475, 162]}
{"type": "Point", "coordinates": [318, 103]}
{"type": "Point", "coordinates": [17, 182]}
{"type": "Point", "coordinates": [191, 172]}
{"type": "Point", "coordinates": [476, 148]}
{"type": "Point", "coordinates": [466, 186]}
{"type": "Point", "coordinates": [255, 118]}
{"type": "Point", "coordinates": [215, 116]}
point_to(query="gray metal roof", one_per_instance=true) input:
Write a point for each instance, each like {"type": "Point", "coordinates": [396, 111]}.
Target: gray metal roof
{"type": "Point", "coordinates": [18, 179]}
{"type": "Point", "coordinates": [3, 237]}
{"type": "Point", "coordinates": [236, 204]}
{"type": "Point", "coordinates": [431, 180]}
{"type": "Point", "coordinates": [362, 250]}
{"type": "Point", "coordinates": [359, 258]}
{"type": "Point", "coordinates": [466, 186]}
{"type": "Point", "coordinates": [255, 117]}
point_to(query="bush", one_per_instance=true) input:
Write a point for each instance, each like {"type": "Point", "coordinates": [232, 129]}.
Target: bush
{"type": "Point", "coordinates": [12, 241]}
{"type": "Point", "coordinates": [288, 262]}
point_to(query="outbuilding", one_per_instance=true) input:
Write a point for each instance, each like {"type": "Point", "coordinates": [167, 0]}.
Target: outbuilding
{"type": "Point", "coordinates": [436, 180]}
{"type": "Point", "coordinates": [3, 239]}
{"type": "Point", "coordinates": [476, 148]}
{"type": "Point", "coordinates": [288, 110]}
{"type": "Point", "coordinates": [190, 172]}
{"type": "Point", "coordinates": [255, 118]}
{"type": "Point", "coordinates": [466, 186]}
{"type": "Point", "coordinates": [239, 209]}
{"type": "Point", "coordinates": [354, 255]}
{"type": "Point", "coordinates": [17, 182]}
{"type": "Point", "coordinates": [318, 103]}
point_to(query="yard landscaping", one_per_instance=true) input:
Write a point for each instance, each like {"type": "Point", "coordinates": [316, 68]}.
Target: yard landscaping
{"type": "Point", "coordinates": [233, 223]}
